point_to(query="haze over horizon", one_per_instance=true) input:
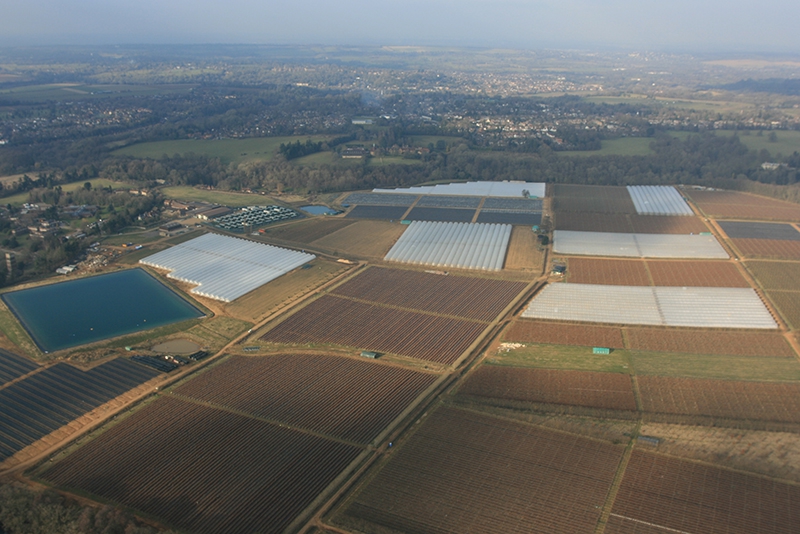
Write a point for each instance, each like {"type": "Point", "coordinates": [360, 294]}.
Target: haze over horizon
{"type": "Point", "coordinates": [714, 26]}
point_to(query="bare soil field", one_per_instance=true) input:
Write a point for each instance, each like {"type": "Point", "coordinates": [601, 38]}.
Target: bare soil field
{"type": "Point", "coordinates": [666, 224]}
{"type": "Point", "coordinates": [768, 248]}
{"type": "Point", "coordinates": [788, 304]}
{"type": "Point", "coordinates": [774, 454]}
{"type": "Point", "coordinates": [598, 199]}
{"type": "Point", "coordinates": [737, 205]}
{"type": "Point", "coordinates": [696, 274]}
{"type": "Point", "coordinates": [204, 470]}
{"type": "Point", "coordinates": [523, 251]}
{"type": "Point", "coordinates": [661, 494]}
{"type": "Point", "coordinates": [762, 401]}
{"type": "Point", "coordinates": [467, 472]}
{"type": "Point", "coordinates": [481, 299]}
{"type": "Point", "coordinates": [592, 222]}
{"type": "Point", "coordinates": [308, 230]}
{"type": "Point", "coordinates": [608, 272]}
{"type": "Point", "coordinates": [366, 326]}
{"type": "Point", "coordinates": [528, 331]}
{"type": "Point", "coordinates": [370, 239]}
{"type": "Point", "coordinates": [776, 275]}
{"type": "Point", "coordinates": [260, 302]}
{"type": "Point", "coordinates": [613, 391]}
{"type": "Point", "coordinates": [708, 342]}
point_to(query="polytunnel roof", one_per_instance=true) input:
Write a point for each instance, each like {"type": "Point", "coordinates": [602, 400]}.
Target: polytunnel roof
{"type": "Point", "coordinates": [637, 245]}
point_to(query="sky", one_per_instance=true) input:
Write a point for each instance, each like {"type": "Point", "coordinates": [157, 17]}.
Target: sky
{"type": "Point", "coordinates": [662, 25]}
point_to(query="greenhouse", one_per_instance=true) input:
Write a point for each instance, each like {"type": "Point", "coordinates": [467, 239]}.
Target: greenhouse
{"type": "Point", "coordinates": [476, 189]}
{"type": "Point", "coordinates": [225, 268]}
{"type": "Point", "coordinates": [698, 307]}
{"type": "Point", "coordinates": [456, 245]}
{"type": "Point", "coordinates": [637, 245]}
{"type": "Point", "coordinates": [658, 200]}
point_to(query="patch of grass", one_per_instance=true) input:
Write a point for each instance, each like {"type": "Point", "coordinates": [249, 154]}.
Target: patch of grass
{"type": "Point", "coordinates": [178, 239]}
{"type": "Point", "coordinates": [225, 198]}
{"type": "Point", "coordinates": [15, 333]}
{"type": "Point", "coordinates": [21, 198]}
{"type": "Point", "coordinates": [562, 357]}
{"type": "Point", "coordinates": [625, 146]}
{"type": "Point", "coordinates": [715, 366]}
{"type": "Point", "coordinates": [787, 142]}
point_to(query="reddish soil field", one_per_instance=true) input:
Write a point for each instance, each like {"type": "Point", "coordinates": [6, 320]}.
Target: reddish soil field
{"type": "Point", "coordinates": [708, 342]}
{"type": "Point", "coordinates": [780, 275]}
{"type": "Point", "coordinates": [696, 274]}
{"type": "Point", "coordinates": [527, 331]}
{"type": "Point", "coordinates": [598, 199]}
{"type": "Point", "coordinates": [308, 230]}
{"type": "Point", "coordinates": [346, 322]}
{"type": "Point", "coordinates": [660, 494]}
{"type": "Point", "coordinates": [592, 222]}
{"type": "Point", "coordinates": [666, 224]}
{"type": "Point", "coordinates": [466, 472]}
{"type": "Point", "coordinates": [613, 391]}
{"type": "Point", "coordinates": [765, 401]}
{"type": "Point", "coordinates": [348, 399]}
{"type": "Point", "coordinates": [788, 304]}
{"type": "Point", "coordinates": [608, 272]}
{"type": "Point", "coordinates": [768, 248]}
{"type": "Point", "coordinates": [205, 470]}
{"type": "Point", "coordinates": [736, 205]}
{"type": "Point", "coordinates": [473, 298]}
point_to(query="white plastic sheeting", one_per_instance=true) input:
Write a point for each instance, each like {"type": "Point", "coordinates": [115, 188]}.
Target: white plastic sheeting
{"type": "Point", "coordinates": [456, 245]}
{"type": "Point", "coordinates": [658, 200]}
{"type": "Point", "coordinates": [700, 307]}
{"type": "Point", "coordinates": [225, 268]}
{"type": "Point", "coordinates": [637, 245]}
{"type": "Point", "coordinates": [476, 189]}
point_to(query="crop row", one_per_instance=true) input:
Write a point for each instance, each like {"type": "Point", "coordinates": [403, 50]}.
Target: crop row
{"type": "Point", "coordinates": [527, 331]}
{"type": "Point", "coordinates": [696, 274]}
{"type": "Point", "coordinates": [346, 398]}
{"type": "Point", "coordinates": [472, 298]}
{"type": "Point", "coordinates": [345, 322]}
{"type": "Point", "coordinates": [778, 275]}
{"type": "Point", "coordinates": [633, 223]}
{"type": "Point", "coordinates": [205, 470]}
{"type": "Point", "coordinates": [662, 494]}
{"type": "Point", "coordinates": [736, 205]}
{"type": "Point", "coordinates": [608, 272]}
{"type": "Point", "coordinates": [13, 366]}
{"type": "Point", "coordinates": [586, 198]}
{"type": "Point", "coordinates": [768, 248]}
{"type": "Point", "coordinates": [467, 472]}
{"type": "Point", "coordinates": [695, 341]}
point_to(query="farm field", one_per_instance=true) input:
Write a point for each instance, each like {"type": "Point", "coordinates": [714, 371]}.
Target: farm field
{"type": "Point", "coordinates": [381, 199]}
{"type": "Point", "coordinates": [204, 470]}
{"type": "Point", "coordinates": [523, 251]}
{"type": "Point", "coordinates": [768, 248]}
{"type": "Point", "coordinates": [788, 304]}
{"type": "Point", "coordinates": [598, 199]}
{"type": "Point", "coordinates": [561, 357]}
{"type": "Point", "coordinates": [21, 198]}
{"type": "Point", "coordinates": [778, 275]}
{"type": "Point", "coordinates": [13, 366]}
{"type": "Point", "coordinates": [481, 299]}
{"type": "Point", "coordinates": [787, 141]}
{"type": "Point", "coordinates": [369, 239]}
{"type": "Point", "coordinates": [528, 331]}
{"type": "Point", "coordinates": [367, 326]}
{"type": "Point", "coordinates": [737, 205]}
{"type": "Point", "coordinates": [694, 341]}
{"type": "Point", "coordinates": [724, 367]}
{"type": "Point", "coordinates": [509, 217]}
{"type": "Point", "coordinates": [440, 214]}
{"type": "Point", "coordinates": [666, 224]}
{"type": "Point", "coordinates": [662, 494]}
{"type": "Point", "coordinates": [445, 201]}
{"type": "Point", "coordinates": [467, 472]}
{"type": "Point", "coordinates": [759, 230]}
{"type": "Point", "coordinates": [609, 272]}
{"type": "Point", "coordinates": [592, 222]}
{"type": "Point", "coordinates": [307, 230]}
{"type": "Point", "coordinates": [696, 274]}
{"type": "Point", "coordinates": [225, 198]}
{"type": "Point", "coordinates": [612, 391]}
{"type": "Point", "coordinates": [393, 213]}
{"type": "Point", "coordinates": [761, 401]}
{"type": "Point", "coordinates": [347, 399]}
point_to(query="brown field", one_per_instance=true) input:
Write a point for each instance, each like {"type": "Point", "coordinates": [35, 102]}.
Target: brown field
{"type": "Point", "coordinates": [205, 470]}
{"type": "Point", "coordinates": [737, 205]}
{"type": "Point", "coordinates": [369, 239]}
{"type": "Point", "coordinates": [608, 272]}
{"type": "Point", "coordinates": [696, 274]}
{"type": "Point", "coordinates": [345, 322]}
{"type": "Point", "coordinates": [260, 302]}
{"type": "Point", "coordinates": [308, 230]}
{"type": "Point", "coordinates": [527, 331]}
{"type": "Point", "coordinates": [523, 251]}
{"type": "Point", "coordinates": [788, 304]}
{"type": "Point", "coordinates": [666, 224]}
{"type": "Point", "coordinates": [775, 454]}
{"type": "Point", "coordinates": [781, 249]}
{"type": "Point", "coordinates": [708, 342]}
{"type": "Point", "coordinates": [763, 401]}
{"type": "Point", "coordinates": [661, 494]}
{"type": "Point", "coordinates": [592, 222]}
{"type": "Point", "coordinates": [467, 472]}
{"type": "Point", "coordinates": [481, 299]}
{"type": "Point", "coordinates": [776, 275]}
{"type": "Point", "coordinates": [613, 391]}
{"type": "Point", "coordinates": [348, 399]}
{"type": "Point", "coordinates": [591, 198]}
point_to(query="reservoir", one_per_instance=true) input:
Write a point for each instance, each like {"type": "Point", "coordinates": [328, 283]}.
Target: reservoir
{"type": "Point", "coordinates": [67, 314]}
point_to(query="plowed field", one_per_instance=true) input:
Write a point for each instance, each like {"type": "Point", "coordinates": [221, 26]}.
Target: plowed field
{"type": "Point", "coordinates": [666, 224]}
{"type": "Point", "coordinates": [205, 470]}
{"type": "Point", "coordinates": [779, 275]}
{"type": "Point", "coordinates": [348, 399]}
{"type": "Point", "coordinates": [465, 472]}
{"type": "Point", "coordinates": [564, 334]}
{"type": "Point", "coordinates": [473, 298]}
{"type": "Point", "coordinates": [661, 494]}
{"type": "Point", "coordinates": [345, 322]}
{"type": "Point", "coordinates": [633, 223]}
{"type": "Point", "coordinates": [612, 391]}
{"type": "Point", "coordinates": [736, 205]}
{"type": "Point", "coordinates": [788, 304]}
{"type": "Point", "coordinates": [599, 199]}
{"type": "Point", "coordinates": [764, 401]}
{"type": "Point", "coordinates": [308, 230]}
{"type": "Point", "coordinates": [608, 272]}
{"type": "Point", "coordinates": [708, 342]}
{"type": "Point", "coordinates": [768, 248]}
{"type": "Point", "coordinates": [696, 274]}
{"type": "Point", "coordinates": [371, 239]}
